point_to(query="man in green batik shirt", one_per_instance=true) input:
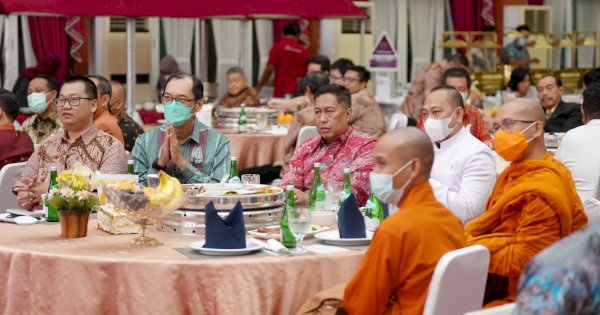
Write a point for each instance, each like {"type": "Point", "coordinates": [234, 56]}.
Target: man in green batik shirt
{"type": "Point", "coordinates": [184, 147]}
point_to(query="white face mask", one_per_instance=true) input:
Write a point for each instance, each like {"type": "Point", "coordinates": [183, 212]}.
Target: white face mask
{"type": "Point", "coordinates": [465, 96]}
{"type": "Point", "coordinates": [382, 185]}
{"type": "Point", "coordinates": [438, 129]}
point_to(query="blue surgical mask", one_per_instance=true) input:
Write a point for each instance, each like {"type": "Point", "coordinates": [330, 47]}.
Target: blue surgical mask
{"type": "Point", "coordinates": [382, 185]}
{"type": "Point", "coordinates": [37, 102]}
{"type": "Point", "coordinates": [177, 113]}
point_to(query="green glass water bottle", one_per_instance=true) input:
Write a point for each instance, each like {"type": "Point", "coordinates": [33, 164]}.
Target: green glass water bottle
{"type": "Point", "coordinates": [373, 208]}
{"type": "Point", "coordinates": [243, 121]}
{"type": "Point", "coordinates": [234, 177]}
{"type": "Point", "coordinates": [347, 190]}
{"type": "Point", "coordinates": [287, 237]}
{"type": "Point", "coordinates": [316, 194]}
{"type": "Point", "coordinates": [52, 211]}
{"type": "Point", "coordinates": [130, 169]}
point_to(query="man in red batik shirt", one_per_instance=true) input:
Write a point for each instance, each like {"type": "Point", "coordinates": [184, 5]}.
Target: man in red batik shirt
{"type": "Point", "coordinates": [289, 59]}
{"type": "Point", "coordinates": [338, 146]}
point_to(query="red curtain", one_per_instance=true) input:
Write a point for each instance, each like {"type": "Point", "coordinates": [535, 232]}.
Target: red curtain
{"type": "Point", "coordinates": [535, 2]}
{"type": "Point", "coordinates": [464, 15]}
{"type": "Point", "coordinates": [48, 38]}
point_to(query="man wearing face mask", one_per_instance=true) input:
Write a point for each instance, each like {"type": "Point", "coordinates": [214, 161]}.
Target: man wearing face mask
{"type": "Point", "coordinates": [407, 246]}
{"type": "Point", "coordinates": [515, 53]}
{"type": "Point", "coordinates": [184, 147]}
{"type": "Point", "coordinates": [41, 95]}
{"type": "Point", "coordinates": [460, 79]}
{"type": "Point", "coordinates": [533, 204]}
{"type": "Point", "coordinates": [464, 169]}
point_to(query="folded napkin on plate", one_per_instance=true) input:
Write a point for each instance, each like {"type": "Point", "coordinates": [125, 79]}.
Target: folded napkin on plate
{"type": "Point", "coordinates": [386, 210]}
{"type": "Point", "coordinates": [350, 221]}
{"type": "Point", "coordinates": [228, 233]}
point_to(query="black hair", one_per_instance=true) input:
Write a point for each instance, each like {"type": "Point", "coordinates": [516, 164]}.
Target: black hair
{"type": "Point", "coordinates": [316, 80]}
{"type": "Point", "coordinates": [50, 81]}
{"type": "Point", "coordinates": [341, 93]}
{"type": "Point", "coordinates": [591, 100]}
{"type": "Point", "coordinates": [592, 76]}
{"type": "Point", "coordinates": [523, 27]}
{"type": "Point", "coordinates": [104, 87]}
{"type": "Point", "coordinates": [459, 59]}
{"type": "Point", "coordinates": [322, 61]}
{"type": "Point", "coordinates": [291, 29]}
{"type": "Point", "coordinates": [452, 96]}
{"type": "Point", "coordinates": [517, 76]}
{"type": "Point", "coordinates": [342, 65]}
{"type": "Point", "coordinates": [197, 86]}
{"type": "Point", "coordinates": [233, 70]}
{"type": "Point", "coordinates": [457, 72]}
{"type": "Point", "coordinates": [9, 104]}
{"type": "Point", "coordinates": [557, 80]}
{"type": "Point", "coordinates": [89, 87]}
{"type": "Point", "coordinates": [363, 73]}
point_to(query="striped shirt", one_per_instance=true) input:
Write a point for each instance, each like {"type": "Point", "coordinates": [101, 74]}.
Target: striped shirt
{"type": "Point", "coordinates": [205, 150]}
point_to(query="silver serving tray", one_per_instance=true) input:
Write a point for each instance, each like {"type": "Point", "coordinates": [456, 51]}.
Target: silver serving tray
{"type": "Point", "coordinates": [192, 222]}
{"type": "Point", "coordinates": [226, 203]}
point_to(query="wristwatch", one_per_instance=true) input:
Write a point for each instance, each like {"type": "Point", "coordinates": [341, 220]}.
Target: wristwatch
{"type": "Point", "coordinates": [157, 167]}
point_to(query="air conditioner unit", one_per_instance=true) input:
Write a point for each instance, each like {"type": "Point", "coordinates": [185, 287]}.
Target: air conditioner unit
{"type": "Point", "coordinates": [539, 20]}
{"type": "Point", "coordinates": [348, 35]}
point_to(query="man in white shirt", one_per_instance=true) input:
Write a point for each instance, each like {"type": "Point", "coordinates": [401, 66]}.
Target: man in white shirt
{"type": "Point", "coordinates": [464, 168]}
{"type": "Point", "coordinates": [579, 149]}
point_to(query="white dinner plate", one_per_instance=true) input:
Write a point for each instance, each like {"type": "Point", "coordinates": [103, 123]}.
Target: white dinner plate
{"type": "Point", "coordinates": [24, 219]}
{"type": "Point", "coordinates": [314, 229]}
{"type": "Point", "coordinates": [250, 247]}
{"type": "Point", "coordinates": [333, 237]}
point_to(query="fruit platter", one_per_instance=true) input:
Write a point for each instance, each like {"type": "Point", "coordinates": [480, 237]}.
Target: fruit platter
{"type": "Point", "coordinates": [146, 205]}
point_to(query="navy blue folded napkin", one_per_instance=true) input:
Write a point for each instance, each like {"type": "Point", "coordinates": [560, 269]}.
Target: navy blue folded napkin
{"type": "Point", "coordinates": [385, 208]}
{"type": "Point", "coordinates": [228, 233]}
{"type": "Point", "coordinates": [350, 221]}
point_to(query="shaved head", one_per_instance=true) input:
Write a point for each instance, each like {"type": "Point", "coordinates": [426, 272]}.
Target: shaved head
{"type": "Point", "coordinates": [400, 146]}
{"type": "Point", "coordinates": [525, 109]}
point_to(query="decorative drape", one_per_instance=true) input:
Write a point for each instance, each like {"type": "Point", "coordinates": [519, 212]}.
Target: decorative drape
{"type": "Point", "coordinates": [48, 37]}
{"type": "Point", "coordinates": [30, 59]}
{"type": "Point", "coordinates": [464, 15]}
{"type": "Point", "coordinates": [179, 37]}
{"type": "Point", "coordinates": [264, 36]}
{"type": "Point", "coordinates": [421, 17]}
{"type": "Point", "coordinates": [11, 51]}
{"type": "Point", "coordinates": [227, 46]}
{"type": "Point", "coordinates": [586, 19]}
{"type": "Point", "coordinates": [562, 22]}
{"type": "Point", "coordinates": [73, 29]}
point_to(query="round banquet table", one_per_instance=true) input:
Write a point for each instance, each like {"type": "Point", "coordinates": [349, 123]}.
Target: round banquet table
{"type": "Point", "coordinates": [256, 149]}
{"type": "Point", "coordinates": [99, 274]}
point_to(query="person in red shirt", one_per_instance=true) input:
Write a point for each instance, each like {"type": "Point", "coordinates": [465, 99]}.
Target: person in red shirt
{"type": "Point", "coordinates": [15, 146]}
{"type": "Point", "coordinates": [289, 59]}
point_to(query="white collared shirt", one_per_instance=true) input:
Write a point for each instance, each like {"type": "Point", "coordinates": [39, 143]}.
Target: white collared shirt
{"type": "Point", "coordinates": [463, 174]}
{"type": "Point", "coordinates": [579, 151]}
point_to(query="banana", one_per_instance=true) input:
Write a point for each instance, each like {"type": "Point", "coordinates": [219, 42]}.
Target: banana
{"type": "Point", "coordinates": [168, 193]}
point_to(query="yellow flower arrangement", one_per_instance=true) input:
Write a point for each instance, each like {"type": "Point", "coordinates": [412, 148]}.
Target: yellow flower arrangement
{"type": "Point", "coordinates": [74, 191]}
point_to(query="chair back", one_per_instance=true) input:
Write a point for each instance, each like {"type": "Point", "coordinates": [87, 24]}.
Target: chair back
{"type": "Point", "coordinates": [305, 133]}
{"type": "Point", "coordinates": [8, 176]}
{"type": "Point", "coordinates": [506, 309]}
{"type": "Point", "coordinates": [458, 282]}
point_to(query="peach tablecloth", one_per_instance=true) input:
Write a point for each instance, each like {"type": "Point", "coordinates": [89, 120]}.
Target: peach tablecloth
{"type": "Point", "coordinates": [252, 149]}
{"type": "Point", "coordinates": [99, 274]}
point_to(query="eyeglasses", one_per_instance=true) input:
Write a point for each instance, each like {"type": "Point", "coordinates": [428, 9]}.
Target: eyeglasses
{"type": "Point", "coordinates": [508, 123]}
{"type": "Point", "coordinates": [73, 101]}
{"type": "Point", "coordinates": [350, 80]}
{"type": "Point", "coordinates": [166, 99]}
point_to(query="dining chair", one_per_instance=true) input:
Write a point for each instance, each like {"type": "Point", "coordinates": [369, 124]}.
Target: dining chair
{"type": "Point", "coordinates": [505, 309]}
{"type": "Point", "coordinates": [458, 282]}
{"type": "Point", "coordinates": [305, 133]}
{"type": "Point", "coordinates": [8, 176]}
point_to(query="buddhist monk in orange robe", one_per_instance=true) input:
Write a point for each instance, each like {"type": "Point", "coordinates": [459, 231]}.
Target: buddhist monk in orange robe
{"type": "Point", "coordinates": [532, 205]}
{"type": "Point", "coordinates": [395, 273]}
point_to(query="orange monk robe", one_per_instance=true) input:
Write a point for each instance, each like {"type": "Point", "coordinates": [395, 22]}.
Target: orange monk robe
{"type": "Point", "coordinates": [533, 204]}
{"type": "Point", "coordinates": [403, 255]}
{"type": "Point", "coordinates": [109, 124]}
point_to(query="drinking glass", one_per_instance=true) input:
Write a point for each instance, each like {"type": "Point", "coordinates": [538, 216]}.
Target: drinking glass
{"type": "Point", "coordinates": [251, 179]}
{"type": "Point", "coordinates": [299, 223]}
{"type": "Point", "coordinates": [152, 180]}
{"type": "Point", "coordinates": [261, 120]}
{"type": "Point", "coordinates": [334, 188]}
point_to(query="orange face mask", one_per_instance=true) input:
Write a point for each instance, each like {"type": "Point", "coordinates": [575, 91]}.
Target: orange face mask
{"type": "Point", "coordinates": [511, 145]}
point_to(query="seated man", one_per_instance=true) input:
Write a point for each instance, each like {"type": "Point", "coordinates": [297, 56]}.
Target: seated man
{"type": "Point", "coordinates": [102, 118]}
{"type": "Point", "coordinates": [366, 113]}
{"type": "Point", "coordinates": [533, 204]}
{"type": "Point", "coordinates": [238, 91]}
{"type": "Point", "coordinates": [131, 130]}
{"type": "Point", "coordinates": [560, 116]}
{"type": "Point", "coordinates": [185, 148]}
{"type": "Point", "coordinates": [460, 79]}
{"type": "Point", "coordinates": [338, 146]}
{"type": "Point", "coordinates": [394, 274]}
{"type": "Point", "coordinates": [579, 149]}
{"type": "Point", "coordinates": [338, 69]}
{"type": "Point", "coordinates": [564, 278]}
{"type": "Point", "coordinates": [15, 146]}
{"type": "Point", "coordinates": [42, 91]}
{"type": "Point", "coordinates": [80, 141]}
{"type": "Point", "coordinates": [464, 169]}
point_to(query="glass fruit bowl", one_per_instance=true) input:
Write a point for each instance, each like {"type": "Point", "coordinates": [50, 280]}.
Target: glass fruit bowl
{"type": "Point", "coordinates": [145, 206]}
